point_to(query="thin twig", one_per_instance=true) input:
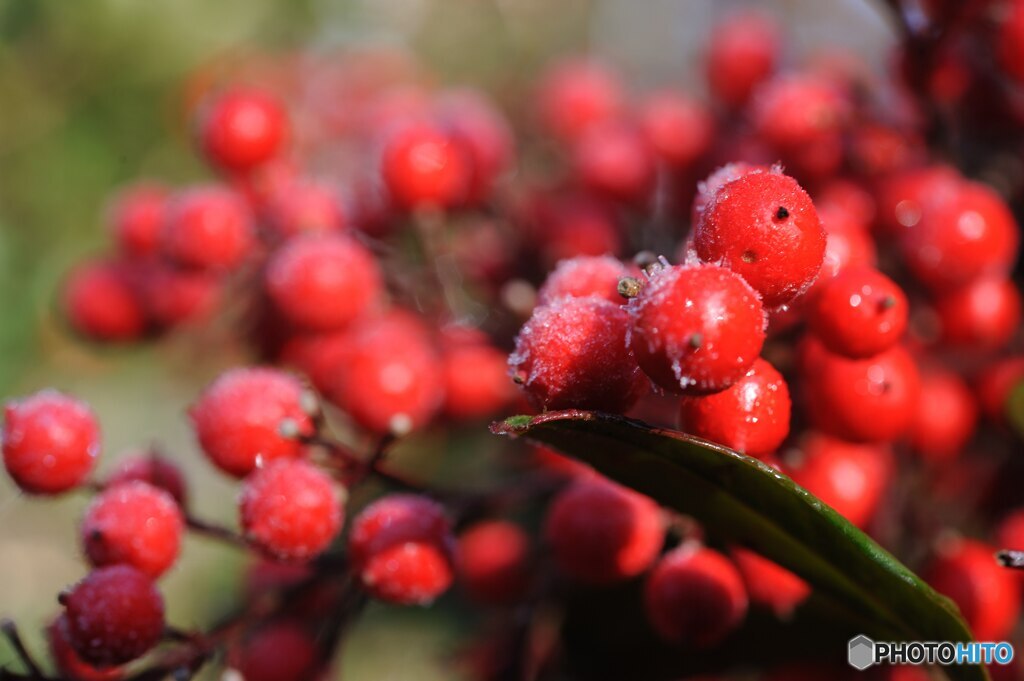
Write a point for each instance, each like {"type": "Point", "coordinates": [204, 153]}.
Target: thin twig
{"type": "Point", "coordinates": [215, 532]}
{"type": "Point", "coordinates": [10, 631]}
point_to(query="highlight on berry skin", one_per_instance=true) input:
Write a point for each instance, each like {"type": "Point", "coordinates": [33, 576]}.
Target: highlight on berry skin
{"type": "Point", "coordinates": [509, 341]}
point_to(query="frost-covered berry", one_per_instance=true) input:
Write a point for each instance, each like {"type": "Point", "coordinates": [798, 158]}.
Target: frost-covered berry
{"type": "Point", "coordinates": [750, 416]}
{"type": "Point", "coordinates": [279, 651]}
{"type": "Point", "coordinates": [401, 548]}
{"type": "Point", "coordinates": [251, 415]}
{"type": "Point", "coordinates": [114, 615]}
{"type": "Point", "coordinates": [572, 353]}
{"type": "Point", "coordinates": [207, 228]}
{"type": "Point", "coordinates": [322, 282]}
{"type": "Point", "coordinates": [695, 596]}
{"type": "Point", "coordinates": [290, 510]}
{"type": "Point", "coordinates": [582, 276]}
{"type": "Point", "coordinates": [859, 313]}
{"type": "Point", "coordinates": [135, 524]}
{"type": "Point", "coordinates": [136, 215]}
{"type": "Point", "coordinates": [242, 129]}
{"type": "Point", "coordinates": [764, 227]}
{"type": "Point", "coordinates": [154, 469]}
{"type": "Point", "coordinates": [101, 302]}
{"type": "Point", "coordinates": [769, 584]}
{"type": "Point", "coordinates": [50, 442]}
{"type": "Point", "coordinates": [493, 558]}
{"type": "Point", "coordinates": [696, 330]}
{"type": "Point", "coordinates": [601, 532]}
{"type": "Point", "coordinates": [425, 167]}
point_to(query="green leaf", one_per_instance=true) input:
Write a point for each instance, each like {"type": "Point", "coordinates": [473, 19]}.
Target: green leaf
{"type": "Point", "coordinates": [743, 500]}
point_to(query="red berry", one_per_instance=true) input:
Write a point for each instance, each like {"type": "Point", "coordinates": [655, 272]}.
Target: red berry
{"type": "Point", "coordinates": [243, 129]}
{"type": "Point", "coordinates": [136, 215]}
{"type": "Point", "coordinates": [908, 197]}
{"type": "Point", "coordinates": [323, 282]}
{"type": "Point", "coordinates": [848, 245]}
{"type": "Point", "coordinates": [602, 533]}
{"type": "Point", "coordinates": [152, 468]}
{"type": "Point", "coordinates": [584, 276]}
{"type": "Point", "coordinates": [251, 415]}
{"type": "Point", "coordinates": [400, 546]}
{"type": "Point", "coordinates": [50, 442]}
{"type": "Point", "coordinates": [944, 416]}
{"type": "Point", "coordinates": [493, 558]}
{"type": "Point", "coordinates": [769, 584]}
{"type": "Point", "coordinates": [995, 385]}
{"type": "Point", "coordinates": [987, 594]}
{"type": "Point", "coordinates": [707, 189]}
{"type": "Point", "coordinates": [303, 206]}
{"type": "Point", "coordinates": [135, 524]}
{"type": "Point", "coordinates": [695, 596]}
{"type": "Point", "coordinates": [172, 297]}
{"type": "Point", "coordinates": [865, 400]}
{"type": "Point", "coordinates": [678, 129]}
{"type": "Point", "coordinates": [615, 162]}
{"type": "Point", "coordinates": [290, 510]}
{"type": "Point", "coordinates": [69, 664]}
{"type": "Point", "coordinates": [279, 651]}
{"type": "Point", "coordinates": [848, 477]}
{"type": "Point", "coordinates": [750, 416]}
{"type": "Point", "coordinates": [742, 53]}
{"type": "Point", "coordinates": [576, 94]}
{"type": "Point", "coordinates": [985, 314]}
{"type": "Point", "coordinates": [572, 353]}
{"type": "Point", "coordinates": [207, 228]}
{"type": "Point", "coordinates": [113, 616]}
{"type": "Point", "coordinates": [764, 227]}
{"type": "Point", "coordinates": [101, 302]}
{"type": "Point", "coordinates": [859, 313]}
{"type": "Point", "coordinates": [1009, 46]}
{"type": "Point", "coordinates": [389, 376]}
{"type": "Point", "coordinates": [696, 330]}
{"type": "Point", "coordinates": [423, 167]}
{"type": "Point", "coordinates": [482, 130]}
{"type": "Point", "coordinates": [476, 381]}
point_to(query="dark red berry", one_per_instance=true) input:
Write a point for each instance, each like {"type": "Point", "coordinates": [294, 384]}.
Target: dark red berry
{"type": "Point", "coordinates": [278, 651]}
{"type": "Point", "coordinates": [114, 615]}
{"type": "Point", "coordinates": [995, 386]}
{"type": "Point", "coordinates": [859, 313]}
{"type": "Point", "coordinates": [251, 416]}
{"type": "Point", "coordinates": [323, 282]}
{"type": "Point", "coordinates": [764, 227]}
{"type": "Point", "coordinates": [101, 302]}
{"type": "Point", "coordinates": [584, 276]}
{"type": "Point", "coordinates": [424, 167]}
{"type": "Point", "coordinates": [153, 468]}
{"type": "Point", "coordinates": [576, 94]}
{"type": "Point", "coordinates": [207, 228]}
{"type": "Point", "coordinates": [136, 215]}
{"type": "Point", "coordinates": [290, 510]}
{"type": "Point", "coordinates": [769, 584]}
{"type": "Point", "coordinates": [602, 533]}
{"type": "Point", "coordinates": [985, 314]}
{"type": "Point", "coordinates": [695, 596]}
{"type": "Point", "coordinates": [696, 330]}
{"type": "Point", "coordinates": [50, 442]}
{"type": "Point", "coordinates": [1009, 46]}
{"type": "Point", "coordinates": [572, 354]}
{"type": "Point", "coordinates": [750, 416]}
{"type": "Point", "coordinates": [242, 129]}
{"type": "Point", "coordinates": [493, 558]}
{"type": "Point", "coordinates": [944, 416]}
{"type": "Point", "coordinates": [742, 53]}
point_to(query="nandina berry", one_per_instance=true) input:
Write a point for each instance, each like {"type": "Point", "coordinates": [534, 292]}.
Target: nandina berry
{"type": "Point", "coordinates": [601, 532]}
{"type": "Point", "coordinates": [576, 94]}
{"type": "Point", "coordinates": [482, 130]}
{"type": "Point", "coordinates": [987, 594]}
{"type": "Point", "coordinates": [764, 227]}
{"type": "Point", "coordinates": [582, 276]}
{"type": "Point", "coordinates": [278, 651]}
{"type": "Point", "coordinates": [424, 167]}
{"type": "Point", "coordinates": [114, 615]}
{"type": "Point", "coordinates": [207, 228]}
{"type": "Point", "coordinates": [695, 596]}
{"type": "Point", "coordinates": [153, 468]}
{"type": "Point", "coordinates": [985, 314]}
{"type": "Point", "coordinates": [570, 226]}
{"type": "Point", "coordinates": [859, 313]}
{"type": "Point", "coordinates": [862, 400]}
{"type": "Point", "coordinates": [476, 381]}
{"type": "Point", "coordinates": [401, 548]}
{"type": "Point", "coordinates": [968, 236]}
{"type": "Point", "coordinates": [389, 377]}
{"type": "Point", "coordinates": [323, 282]}
{"type": "Point", "coordinates": [68, 663]}
{"type": "Point", "coordinates": [136, 215]}
{"type": "Point", "coordinates": [769, 584]}
{"type": "Point", "coordinates": [101, 302]}
{"type": "Point", "coordinates": [851, 478]}
{"type": "Point", "coordinates": [250, 416]}
{"type": "Point", "coordinates": [696, 330]}
{"type": "Point", "coordinates": [741, 54]}
{"type": "Point", "coordinates": [572, 353]}
{"type": "Point", "coordinates": [944, 416]}
{"type": "Point", "coordinates": [290, 509]}
{"type": "Point", "coordinates": [750, 416]}
{"type": "Point", "coordinates": [50, 442]}
{"type": "Point", "coordinates": [679, 130]}
{"type": "Point", "coordinates": [614, 161]}
{"type": "Point", "coordinates": [242, 129]}
{"type": "Point", "coordinates": [995, 385]}
{"type": "Point", "coordinates": [135, 524]}
{"type": "Point", "coordinates": [303, 206]}
{"type": "Point", "coordinates": [492, 561]}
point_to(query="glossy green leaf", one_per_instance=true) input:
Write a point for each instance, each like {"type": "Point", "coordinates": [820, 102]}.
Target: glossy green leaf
{"type": "Point", "coordinates": [742, 500]}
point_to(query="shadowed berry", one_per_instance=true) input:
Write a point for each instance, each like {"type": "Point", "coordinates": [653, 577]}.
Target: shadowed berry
{"type": "Point", "coordinates": [136, 215]}
{"type": "Point", "coordinates": [304, 206]}
{"type": "Point", "coordinates": [944, 416]}
{"type": "Point", "coordinates": [279, 651]}
{"type": "Point", "coordinates": [995, 385]}
{"type": "Point", "coordinates": [153, 468]}
{"type": "Point", "coordinates": [101, 302]}
{"type": "Point", "coordinates": [769, 584]}
{"type": "Point", "coordinates": [172, 297]}
{"type": "Point", "coordinates": [482, 130]}
{"type": "Point", "coordinates": [493, 558]}
{"type": "Point", "coordinates": [207, 228]}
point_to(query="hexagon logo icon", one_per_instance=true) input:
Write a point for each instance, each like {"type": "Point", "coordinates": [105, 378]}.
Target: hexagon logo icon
{"type": "Point", "coordinates": [861, 653]}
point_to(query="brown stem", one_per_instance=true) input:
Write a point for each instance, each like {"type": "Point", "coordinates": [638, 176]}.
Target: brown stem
{"type": "Point", "coordinates": [10, 632]}
{"type": "Point", "coordinates": [215, 532]}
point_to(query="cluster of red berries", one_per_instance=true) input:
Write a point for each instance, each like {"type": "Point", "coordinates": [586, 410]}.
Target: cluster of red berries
{"type": "Point", "coordinates": [785, 270]}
